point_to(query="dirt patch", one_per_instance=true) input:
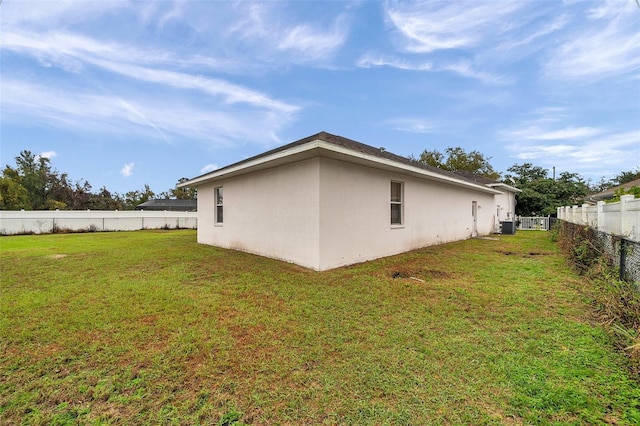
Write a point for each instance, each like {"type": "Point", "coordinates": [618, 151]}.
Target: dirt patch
{"type": "Point", "coordinates": [57, 256]}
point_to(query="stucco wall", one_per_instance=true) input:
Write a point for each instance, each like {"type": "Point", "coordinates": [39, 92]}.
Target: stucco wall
{"type": "Point", "coordinates": [323, 213]}
{"type": "Point", "coordinates": [273, 213]}
{"type": "Point", "coordinates": [355, 214]}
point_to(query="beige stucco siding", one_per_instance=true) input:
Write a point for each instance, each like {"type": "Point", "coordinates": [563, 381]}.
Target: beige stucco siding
{"type": "Point", "coordinates": [355, 213]}
{"type": "Point", "coordinates": [272, 212]}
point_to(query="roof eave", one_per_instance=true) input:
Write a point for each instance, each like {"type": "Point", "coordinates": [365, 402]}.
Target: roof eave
{"type": "Point", "coordinates": [319, 147]}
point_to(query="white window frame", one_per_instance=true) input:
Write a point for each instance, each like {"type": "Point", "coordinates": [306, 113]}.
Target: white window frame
{"type": "Point", "coordinates": [219, 206]}
{"type": "Point", "coordinates": [395, 202]}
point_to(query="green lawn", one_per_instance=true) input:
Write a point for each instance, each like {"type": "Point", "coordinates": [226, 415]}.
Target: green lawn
{"type": "Point", "coordinates": [150, 327]}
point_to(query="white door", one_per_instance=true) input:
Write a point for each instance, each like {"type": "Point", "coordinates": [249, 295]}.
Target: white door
{"type": "Point", "coordinates": [474, 212]}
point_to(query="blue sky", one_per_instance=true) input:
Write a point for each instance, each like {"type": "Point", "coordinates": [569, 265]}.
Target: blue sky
{"type": "Point", "coordinates": [128, 93]}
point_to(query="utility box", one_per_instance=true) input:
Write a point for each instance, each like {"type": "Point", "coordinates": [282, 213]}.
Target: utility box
{"type": "Point", "coordinates": [508, 227]}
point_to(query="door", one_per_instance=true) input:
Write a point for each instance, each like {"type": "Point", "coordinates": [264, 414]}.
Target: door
{"type": "Point", "coordinates": [474, 213]}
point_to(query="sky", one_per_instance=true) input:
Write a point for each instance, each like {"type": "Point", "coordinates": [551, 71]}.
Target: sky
{"type": "Point", "coordinates": [124, 94]}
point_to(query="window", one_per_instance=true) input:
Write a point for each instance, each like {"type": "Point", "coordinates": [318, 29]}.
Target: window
{"type": "Point", "coordinates": [396, 203]}
{"type": "Point", "coordinates": [219, 211]}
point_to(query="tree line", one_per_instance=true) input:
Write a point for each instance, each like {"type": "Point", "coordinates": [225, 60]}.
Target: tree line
{"type": "Point", "coordinates": [540, 194]}
{"type": "Point", "coordinates": [33, 184]}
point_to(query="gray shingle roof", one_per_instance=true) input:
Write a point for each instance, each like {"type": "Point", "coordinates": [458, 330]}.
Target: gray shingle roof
{"type": "Point", "coordinates": [358, 147]}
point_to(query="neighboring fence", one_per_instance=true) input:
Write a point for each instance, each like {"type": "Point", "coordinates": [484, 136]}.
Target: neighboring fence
{"type": "Point", "coordinates": [534, 223]}
{"type": "Point", "coordinates": [50, 221]}
{"type": "Point", "coordinates": [620, 252]}
{"type": "Point", "coordinates": [621, 218]}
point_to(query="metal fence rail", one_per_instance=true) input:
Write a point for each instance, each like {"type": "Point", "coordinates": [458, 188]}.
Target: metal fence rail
{"type": "Point", "coordinates": [538, 223]}
{"type": "Point", "coordinates": [621, 252]}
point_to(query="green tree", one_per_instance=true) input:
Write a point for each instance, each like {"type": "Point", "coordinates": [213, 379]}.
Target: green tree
{"type": "Point", "coordinates": [133, 198]}
{"type": "Point", "coordinates": [626, 177]}
{"type": "Point", "coordinates": [104, 200]}
{"type": "Point", "coordinates": [13, 196]}
{"type": "Point", "coordinates": [34, 174]}
{"type": "Point", "coordinates": [456, 159]}
{"type": "Point", "coordinates": [181, 193]}
{"type": "Point", "coordinates": [541, 195]}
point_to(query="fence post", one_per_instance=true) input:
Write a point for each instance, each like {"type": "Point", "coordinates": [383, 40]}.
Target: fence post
{"type": "Point", "coordinates": [600, 215]}
{"type": "Point", "coordinates": [623, 258]}
{"type": "Point", "coordinates": [626, 224]}
{"type": "Point", "coordinates": [574, 209]}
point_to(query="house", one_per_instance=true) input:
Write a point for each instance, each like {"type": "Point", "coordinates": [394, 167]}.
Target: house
{"type": "Point", "coordinates": [609, 193]}
{"type": "Point", "coordinates": [326, 201]}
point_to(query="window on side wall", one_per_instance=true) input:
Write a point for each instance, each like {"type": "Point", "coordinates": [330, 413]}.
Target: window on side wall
{"type": "Point", "coordinates": [219, 208]}
{"type": "Point", "coordinates": [396, 203]}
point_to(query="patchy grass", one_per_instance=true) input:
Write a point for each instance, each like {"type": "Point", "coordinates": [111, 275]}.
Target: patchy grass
{"type": "Point", "coordinates": [149, 327]}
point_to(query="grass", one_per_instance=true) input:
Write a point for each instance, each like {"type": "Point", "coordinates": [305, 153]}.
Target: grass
{"type": "Point", "coordinates": [150, 327]}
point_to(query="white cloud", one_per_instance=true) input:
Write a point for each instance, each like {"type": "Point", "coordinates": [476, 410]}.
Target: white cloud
{"type": "Point", "coordinates": [209, 168]}
{"type": "Point", "coordinates": [72, 52]}
{"type": "Point", "coordinates": [430, 26]}
{"type": "Point", "coordinates": [463, 68]}
{"type": "Point", "coordinates": [47, 154]}
{"type": "Point", "coordinates": [268, 32]}
{"type": "Point", "coordinates": [598, 153]}
{"type": "Point", "coordinates": [607, 44]}
{"type": "Point", "coordinates": [537, 133]}
{"type": "Point", "coordinates": [370, 60]}
{"type": "Point", "coordinates": [312, 42]}
{"type": "Point", "coordinates": [147, 116]}
{"type": "Point", "coordinates": [412, 125]}
{"type": "Point", "coordinates": [127, 169]}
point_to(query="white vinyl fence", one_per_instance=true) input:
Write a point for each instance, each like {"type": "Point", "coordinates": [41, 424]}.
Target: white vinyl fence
{"type": "Point", "coordinates": [621, 218]}
{"type": "Point", "coordinates": [49, 221]}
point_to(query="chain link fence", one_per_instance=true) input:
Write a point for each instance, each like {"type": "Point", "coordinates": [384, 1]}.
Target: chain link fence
{"type": "Point", "coordinates": [622, 253]}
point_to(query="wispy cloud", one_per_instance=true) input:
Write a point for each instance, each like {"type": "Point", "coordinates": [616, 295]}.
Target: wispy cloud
{"type": "Point", "coordinates": [47, 154]}
{"type": "Point", "coordinates": [412, 125]}
{"type": "Point", "coordinates": [606, 150]}
{"type": "Point", "coordinates": [72, 53]}
{"type": "Point", "coordinates": [315, 43]}
{"type": "Point", "coordinates": [209, 168]}
{"type": "Point", "coordinates": [430, 26]}
{"type": "Point", "coordinates": [537, 133]}
{"type": "Point", "coordinates": [462, 68]}
{"type": "Point", "coordinates": [127, 169]}
{"type": "Point", "coordinates": [148, 115]}
{"type": "Point", "coordinates": [608, 45]}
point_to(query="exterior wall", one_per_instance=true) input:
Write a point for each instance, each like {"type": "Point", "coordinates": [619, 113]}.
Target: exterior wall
{"type": "Point", "coordinates": [323, 213]}
{"type": "Point", "coordinates": [507, 203]}
{"type": "Point", "coordinates": [355, 214]}
{"type": "Point", "coordinates": [273, 213]}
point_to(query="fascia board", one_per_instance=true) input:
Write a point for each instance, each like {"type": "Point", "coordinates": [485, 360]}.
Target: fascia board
{"type": "Point", "coordinates": [319, 147]}
{"type": "Point", "coordinates": [387, 164]}
{"type": "Point", "coordinates": [259, 163]}
{"type": "Point", "coordinates": [505, 186]}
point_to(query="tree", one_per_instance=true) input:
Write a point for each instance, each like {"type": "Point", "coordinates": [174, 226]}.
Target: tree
{"type": "Point", "coordinates": [104, 200]}
{"type": "Point", "coordinates": [133, 198]}
{"type": "Point", "coordinates": [34, 174]}
{"type": "Point", "coordinates": [457, 159]}
{"type": "Point", "coordinates": [181, 193]}
{"type": "Point", "coordinates": [541, 195]}
{"type": "Point", "coordinates": [13, 196]}
{"type": "Point", "coordinates": [626, 177]}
